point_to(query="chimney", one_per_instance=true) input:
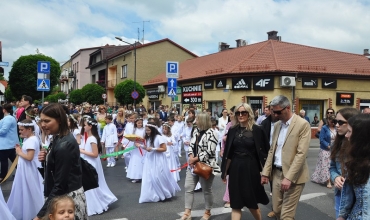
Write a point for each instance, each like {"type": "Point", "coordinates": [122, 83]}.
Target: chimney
{"type": "Point", "coordinates": [223, 46]}
{"type": "Point", "coordinates": [366, 52]}
{"type": "Point", "coordinates": [238, 42]}
{"type": "Point", "coordinates": [272, 35]}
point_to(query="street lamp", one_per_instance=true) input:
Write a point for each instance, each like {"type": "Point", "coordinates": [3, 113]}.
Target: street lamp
{"type": "Point", "coordinates": [120, 39]}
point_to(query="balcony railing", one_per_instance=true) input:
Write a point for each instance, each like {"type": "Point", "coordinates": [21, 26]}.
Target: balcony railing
{"type": "Point", "coordinates": [71, 74]}
{"type": "Point", "coordinates": [112, 83]}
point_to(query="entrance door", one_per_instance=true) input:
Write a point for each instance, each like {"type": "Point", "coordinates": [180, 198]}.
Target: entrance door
{"type": "Point", "coordinates": [256, 104]}
{"type": "Point", "coordinates": [216, 108]}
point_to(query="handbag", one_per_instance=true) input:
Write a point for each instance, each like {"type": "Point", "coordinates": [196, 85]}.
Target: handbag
{"type": "Point", "coordinates": [90, 178]}
{"type": "Point", "coordinates": [202, 170]}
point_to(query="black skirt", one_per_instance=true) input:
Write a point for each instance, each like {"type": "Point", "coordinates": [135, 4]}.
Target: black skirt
{"type": "Point", "coordinates": [245, 187]}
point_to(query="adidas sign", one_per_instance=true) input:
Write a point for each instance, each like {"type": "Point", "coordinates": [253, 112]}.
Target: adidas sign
{"type": "Point", "coordinates": [241, 85]}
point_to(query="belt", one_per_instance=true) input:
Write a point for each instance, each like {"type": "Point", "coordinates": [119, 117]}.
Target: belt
{"type": "Point", "coordinates": [278, 168]}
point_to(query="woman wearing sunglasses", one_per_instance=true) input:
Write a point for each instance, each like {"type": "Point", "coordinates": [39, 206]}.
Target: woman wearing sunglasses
{"type": "Point", "coordinates": [244, 157]}
{"type": "Point", "coordinates": [327, 136]}
{"type": "Point", "coordinates": [329, 111]}
{"type": "Point", "coordinates": [339, 153]}
{"type": "Point", "coordinates": [355, 204]}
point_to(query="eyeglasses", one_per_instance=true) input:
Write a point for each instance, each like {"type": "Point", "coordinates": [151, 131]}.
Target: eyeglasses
{"type": "Point", "coordinates": [340, 122]}
{"type": "Point", "coordinates": [279, 111]}
{"type": "Point", "coordinates": [242, 113]}
{"type": "Point", "coordinates": [329, 112]}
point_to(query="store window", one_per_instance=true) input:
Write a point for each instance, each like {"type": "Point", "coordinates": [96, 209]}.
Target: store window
{"type": "Point", "coordinates": [256, 104]}
{"type": "Point", "coordinates": [216, 108]}
{"type": "Point", "coordinates": [313, 108]}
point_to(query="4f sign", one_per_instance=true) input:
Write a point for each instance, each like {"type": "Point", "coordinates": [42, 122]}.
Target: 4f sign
{"type": "Point", "coordinates": [262, 82]}
{"type": "Point", "coordinates": [43, 67]}
{"type": "Point", "coordinates": [172, 69]}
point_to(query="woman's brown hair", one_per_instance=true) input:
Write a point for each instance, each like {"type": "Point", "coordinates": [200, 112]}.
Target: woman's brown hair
{"type": "Point", "coordinates": [56, 111]}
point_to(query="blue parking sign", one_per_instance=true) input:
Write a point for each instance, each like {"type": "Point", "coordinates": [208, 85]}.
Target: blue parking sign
{"type": "Point", "coordinates": [43, 67]}
{"type": "Point", "coordinates": [172, 69]}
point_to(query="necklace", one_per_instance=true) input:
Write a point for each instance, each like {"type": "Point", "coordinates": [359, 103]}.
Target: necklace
{"type": "Point", "coordinates": [242, 131]}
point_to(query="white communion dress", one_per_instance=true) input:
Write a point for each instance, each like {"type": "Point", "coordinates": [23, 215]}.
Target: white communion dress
{"type": "Point", "coordinates": [99, 198]}
{"type": "Point", "coordinates": [135, 170]}
{"type": "Point", "coordinates": [157, 183]}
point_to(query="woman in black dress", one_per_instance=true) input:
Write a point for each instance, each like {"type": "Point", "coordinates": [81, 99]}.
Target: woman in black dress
{"type": "Point", "coordinates": [244, 157]}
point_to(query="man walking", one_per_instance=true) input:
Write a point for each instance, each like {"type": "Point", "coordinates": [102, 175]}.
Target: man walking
{"type": "Point", "coordinates": [286, 163]}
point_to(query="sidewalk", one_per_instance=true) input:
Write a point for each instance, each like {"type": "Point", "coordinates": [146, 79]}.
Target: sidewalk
{"type": "Point", "coordinates": [315, 143]}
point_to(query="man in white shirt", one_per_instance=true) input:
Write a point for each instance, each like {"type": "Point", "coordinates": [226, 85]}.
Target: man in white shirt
{"type": "Point", "coordinates": [286, 163]}
{"type": "Point", "coordinates": [264, 116]}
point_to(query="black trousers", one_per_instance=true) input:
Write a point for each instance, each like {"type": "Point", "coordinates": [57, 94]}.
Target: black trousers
{"type": "Point", "coordinates": [4, 156]}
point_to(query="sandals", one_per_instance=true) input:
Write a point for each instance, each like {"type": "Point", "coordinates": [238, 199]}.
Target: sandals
{"type": "Point", "coordinates": [207, 215]}
{"type": "Point", "coordinates": [185, 216]}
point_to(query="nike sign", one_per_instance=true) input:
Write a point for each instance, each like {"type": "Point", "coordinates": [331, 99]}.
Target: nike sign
{"type": "Point", "coordinates": [326, 84]}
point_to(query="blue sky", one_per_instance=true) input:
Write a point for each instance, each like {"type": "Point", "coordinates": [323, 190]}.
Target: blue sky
{"type": "Point", "coordinates": [58, 28]}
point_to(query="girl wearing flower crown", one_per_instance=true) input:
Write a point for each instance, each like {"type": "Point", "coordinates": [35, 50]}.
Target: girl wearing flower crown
{"type": "Point", "coordinates": [73, 128]}
{"type": "Point", "coordinates": [172, 158]}
{"type": "Point", "coordinates": [157, 182]}
{"type": "Point", "coordinates": [99, 198]}
{"type": "Point", "coordinates": [135, 170]}
{"type": "Point", "coordinates": [26, 197]}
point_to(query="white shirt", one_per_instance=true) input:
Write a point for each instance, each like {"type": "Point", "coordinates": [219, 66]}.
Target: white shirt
{"type": "Point", "coordinates": [280, 141]}
{"type": "Point", "coordinates": [272, 131]}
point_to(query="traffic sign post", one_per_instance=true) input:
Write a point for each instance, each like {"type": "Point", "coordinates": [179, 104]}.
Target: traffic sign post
{"type": "Point", "coordinates": [43, 77]}
{"type": "Point", "coordinates": [172, 69]}
{"type": "Point", "coordinates": [4, 64]}
{"type": "Point", "coordinates": [104, 96]}
{"type": "Point", "coordinates": [135, 95]}
{"type": "Point", "coordinates": [171, 85]}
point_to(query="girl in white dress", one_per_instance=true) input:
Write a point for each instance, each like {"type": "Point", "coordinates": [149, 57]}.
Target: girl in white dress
{"type": "Point", "coordinates": [31, 114]}
{"type": "Point", "coordinates": [179, 123]}
{"type": "Point", "coordinates": [157, 182]}
{"type": "Point", "coordinates": [74, 129]}
{"type": "Point", "coordinates": [99, 198]}
{"type": "Point", "coordinates": [135, 170]}
{"type": "Point", "coordinates": [172, 157]}
{"type": "Point", "coordinates": [26, 197]}
{"type": "Point", "coordinates": [129, 129]}
{"type": "Point", "coordinates": [4, 210]}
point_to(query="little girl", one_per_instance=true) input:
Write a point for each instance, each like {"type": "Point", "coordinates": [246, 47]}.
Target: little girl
{"type": "Point", "coordinates": [129, 129]}
{"type": "Point", "coordinates": [26, 197]}
{"type": "Point", "coordinates": [135, 170]}
{"type": "Point", "coordinates": [61, 207]}
{"type": "Point", "coordinates": [73, 128]}
{"type": "Point", "coordinates": [157, 182]}
{"type": "Point", "coordinates": [109, 139]}
{"type": "Point", "coordinates": [172, 157]}
{"type": "Point", "coordinates": [99, 198]}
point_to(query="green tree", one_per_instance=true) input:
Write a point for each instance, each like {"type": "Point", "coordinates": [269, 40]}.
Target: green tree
{"type": "Point", "coordinates": [54, 97]}
{"type": "Point", "coordinates": [23, 75]}
{"type": "Point", "coordinates": [92, 93]}
{"type": "Point", "coordinates": [123, 91]}
{"type": "Point", "coordinates": [76, 97]}
{"type": "Point", "coordinates": [9, 95]}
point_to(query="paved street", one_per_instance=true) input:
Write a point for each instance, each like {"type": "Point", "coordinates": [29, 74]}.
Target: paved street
{"type": "Point", "coordinates": [316, 201]}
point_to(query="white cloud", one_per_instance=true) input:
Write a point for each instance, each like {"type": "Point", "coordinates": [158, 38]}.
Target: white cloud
{"type": "Point", "coordinates": [58, 28]}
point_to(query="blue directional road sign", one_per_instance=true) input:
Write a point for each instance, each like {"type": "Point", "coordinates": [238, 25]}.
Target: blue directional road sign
{"type": "Point", "coordinates": [4, 63]}
{"type": "Point", "coordinates": [43, 67]}
{"type": "Point", "coordinates": [43, 85]}
{"type": "Point", "coordinates": [172, 84]}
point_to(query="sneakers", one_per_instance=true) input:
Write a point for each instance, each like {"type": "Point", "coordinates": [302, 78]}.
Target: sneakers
{"type": "Point", "coordinates": [227, 205]}
{"type": "Point", "coordinates": [179, 155]}
{"type": "Point", "coordinates": [112, 165]}
{"type": "Point", "coordinates": [109, 165]}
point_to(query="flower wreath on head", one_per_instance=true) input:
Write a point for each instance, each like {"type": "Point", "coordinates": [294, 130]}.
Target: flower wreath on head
{"type": "Point", "coordinates": [29, 115]}
{"type": "Point", "coordinates": [91, 122]}
{"type": "Point", "coordinates": [86, 117]}
{"type": "Point", "coordinates": [167, 125]}
{"type": "Point", "coordinates": [25, 124]}
{"type": "Point", "coordinates": [153, 126]}
{"type": "Point", "coordinates": [73, 118]}
{"type": "Point", "coordinates": [138, 119]}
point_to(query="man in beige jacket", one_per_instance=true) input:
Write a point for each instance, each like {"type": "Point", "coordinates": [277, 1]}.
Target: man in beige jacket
{"type": "Point", "coordinates": [286, 163]}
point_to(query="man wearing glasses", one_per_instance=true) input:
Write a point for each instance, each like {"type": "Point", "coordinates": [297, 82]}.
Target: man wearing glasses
{"type": "Point", "coordinates": [286, 163]}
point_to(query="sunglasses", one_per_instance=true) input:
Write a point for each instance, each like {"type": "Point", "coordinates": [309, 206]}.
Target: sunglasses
{"type": "Point", "coordinates": [340, 122]}
{"type": "Point", "coordinates": [329, 112]}
{"type": "Point", "coordinates": [242, 113]}
{"type": "Point", "coordinates": [279, 112]}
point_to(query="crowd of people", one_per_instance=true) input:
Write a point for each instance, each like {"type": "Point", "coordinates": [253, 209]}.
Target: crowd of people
{"type": "Point", "coordinates": [50, 144]}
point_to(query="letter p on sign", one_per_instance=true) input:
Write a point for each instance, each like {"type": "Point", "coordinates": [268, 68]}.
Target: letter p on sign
{"type": "Point", "coordinates": [172, 69]}
{"type": "Point", "coordinates": [43, 67]}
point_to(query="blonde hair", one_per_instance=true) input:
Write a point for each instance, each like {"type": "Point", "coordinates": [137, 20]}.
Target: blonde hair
{"type": "Point", "coordinates": [204, 121]}
{"type": "Point", "coordinates": [251, 121]}
{"type": "Point", "coordinates": [119, 118]}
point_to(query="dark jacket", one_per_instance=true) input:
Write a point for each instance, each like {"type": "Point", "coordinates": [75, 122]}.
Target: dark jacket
{"type": "Point", "coordinates": [63, 169]}
{"type": "Point", "coordinates": [260, 140]}
{"type": "Point", "coordinates": [266, 127]}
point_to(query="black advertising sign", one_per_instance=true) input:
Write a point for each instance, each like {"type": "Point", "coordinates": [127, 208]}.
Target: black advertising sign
{"type": "Point", "coordinates": [329, 83]}
{"type": "Point", "coordinates": [152, 91]}
{"type": "Point", "coordinates": [192, 94]}
{"type": "Point", "coordinates": [241, 83]}
{"type": "Point", "coordinates": [153, 96]}
{"type": "Point", "coordinates": [263, 83]}
{"type": "Point", "coordinates": [309, 82]}
{"type": "Point", "coordinates": [208, 84]}
{"type": "Point", "coordinates": [345, 98]}
{"type": "Point", "coordinates": [221, 83]}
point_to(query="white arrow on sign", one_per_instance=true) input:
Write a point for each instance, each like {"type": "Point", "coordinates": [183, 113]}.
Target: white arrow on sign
{"type": "Point", "coordinates": [186, 100]}
{"type": "Point", "coordinates": [172, 81]}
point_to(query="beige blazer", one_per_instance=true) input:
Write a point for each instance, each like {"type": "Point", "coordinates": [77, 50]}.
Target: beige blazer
{"type": "Point", "coordinates": [294, 151]}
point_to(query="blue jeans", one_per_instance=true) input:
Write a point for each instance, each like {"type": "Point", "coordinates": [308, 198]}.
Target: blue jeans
{"type": "Point", "coordinates": [337, 204]}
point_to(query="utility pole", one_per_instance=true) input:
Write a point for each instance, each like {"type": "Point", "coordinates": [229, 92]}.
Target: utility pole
{"type": "Point", "coordinates": [143, 28]}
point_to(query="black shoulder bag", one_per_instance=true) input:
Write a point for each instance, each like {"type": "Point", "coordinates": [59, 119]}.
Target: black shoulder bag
{"type": "Point", "coordinates": [90, 178]}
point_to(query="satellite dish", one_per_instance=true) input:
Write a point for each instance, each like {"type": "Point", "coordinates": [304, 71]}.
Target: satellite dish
{"type": "Point", "coordinates": [287, 81]}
